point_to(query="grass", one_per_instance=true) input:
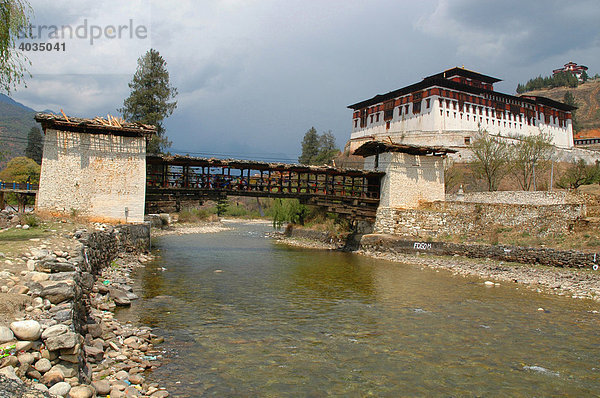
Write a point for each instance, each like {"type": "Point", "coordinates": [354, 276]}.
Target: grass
{"type": "Point", "coordinates": [17, 234]}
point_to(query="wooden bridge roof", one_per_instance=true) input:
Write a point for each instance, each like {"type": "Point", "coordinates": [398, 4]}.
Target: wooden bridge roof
{"type": "Point", "coordinates": [371, 148]}
{"type": "Point", "coordinates": [98, 125]}
{"type": "Point", "coordinates": [178, 160]}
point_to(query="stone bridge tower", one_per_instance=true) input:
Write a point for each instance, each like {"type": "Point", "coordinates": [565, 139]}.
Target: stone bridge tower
{"type": "Point", "coordinates": [95, 168]}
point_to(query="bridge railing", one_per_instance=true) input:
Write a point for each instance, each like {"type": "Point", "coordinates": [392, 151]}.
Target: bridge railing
{"type": "Point", "coordinates": [18, 186]}
{"type": "Point", "coordinates": [284, 183]}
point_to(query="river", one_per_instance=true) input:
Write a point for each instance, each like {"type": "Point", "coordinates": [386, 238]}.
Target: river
{"type": "Point", "coordinates": [246, 316]}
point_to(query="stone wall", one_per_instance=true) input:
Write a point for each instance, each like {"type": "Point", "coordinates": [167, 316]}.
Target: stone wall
{"type": "Point", "coordinates": [99, 176]}
{"type": "Point", "coordinates": [472, 219]}
{"type": "Point", "coordinates": [66, 281]}
{"type": "Point", "coordinates": [544, 256]}
{"type": "Point", "coordinates": [540, 198]}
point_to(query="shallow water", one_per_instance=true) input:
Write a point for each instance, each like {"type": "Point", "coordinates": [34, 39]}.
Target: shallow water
{"type": "Point", "coordinates": [244, 316]}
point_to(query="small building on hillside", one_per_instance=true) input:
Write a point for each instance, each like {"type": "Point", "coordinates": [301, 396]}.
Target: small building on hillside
{"type": "Point", "coordinates": [95, 168]}
{"type": "Point", "coordinates": [572, 67]}
{"type": "Point", "coordinates": [413, 173]}
{"type": "Point", "coordinates": [447, 109]}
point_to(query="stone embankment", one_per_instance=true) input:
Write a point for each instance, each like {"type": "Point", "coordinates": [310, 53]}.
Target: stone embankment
{"type": "Point", "coordinates": [561, 272]}
{"type": "Point", "coordinates": [68, 342]}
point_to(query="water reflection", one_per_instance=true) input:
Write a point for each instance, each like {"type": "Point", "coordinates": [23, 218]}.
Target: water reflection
{"type": "Point", "coordinates": [247, 317]}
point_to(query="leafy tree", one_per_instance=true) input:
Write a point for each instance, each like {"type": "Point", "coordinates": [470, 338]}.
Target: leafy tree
{"type": "Point", "coordinates": [491, 158]}
{"type": "Point", "coordinates": [14, 17]}
{"type": "Point", "coordinates": [318, 149]}
{"type": "Point", "coordinates": [569, 99]}
{"type": "Point", "coordinates": [584, 76]}
{"type": "Point", "coordinates": [288, 211]}
{"type": "Point", "coordinates": [21, 169]}
{"type": "Point", "coordinates": [579, 173]}
{"type": "Point", "coordinates": [531, 155]}
{"type": "Point", "coordinates": [149, 99]}
{"type": "Point", "coordinates": [35, 145]}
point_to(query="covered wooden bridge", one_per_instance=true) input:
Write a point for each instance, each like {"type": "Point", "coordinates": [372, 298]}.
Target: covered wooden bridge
{"type": "Point", "coordinates": [174, 180]}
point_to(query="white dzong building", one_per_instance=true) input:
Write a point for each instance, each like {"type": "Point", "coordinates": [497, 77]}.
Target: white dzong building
{"type": "Point", "coordinates": [448, 108]}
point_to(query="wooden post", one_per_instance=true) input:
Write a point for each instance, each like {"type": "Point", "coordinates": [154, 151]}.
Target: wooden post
{"type": "Point", "coordinates": [2, 204]}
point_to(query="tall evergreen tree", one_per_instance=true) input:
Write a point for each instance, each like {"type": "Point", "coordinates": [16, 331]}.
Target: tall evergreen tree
{"type": "Point", "coordinates": [569, 99]}
{"type": "Point", "coordinates": [150, 99]}
{"type": "Point", "coordinates": [35, 145]}
{"type": "Point", "coordinates": [310, 147]}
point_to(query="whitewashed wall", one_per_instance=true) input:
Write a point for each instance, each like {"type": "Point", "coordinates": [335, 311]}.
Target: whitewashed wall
{"type": "Point", "coordinates": [93, 175]}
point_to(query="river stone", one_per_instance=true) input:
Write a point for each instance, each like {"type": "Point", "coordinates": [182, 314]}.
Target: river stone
{"type": "Point", "coordinates": [6, 334]}
{"type": "Point", "coordinates": [25, 359]}
{"type": "Point", "coordinates": [68, 369]}
{"type": "Point", "coordinates": [65, 340]}
{"type": "Point", "coordinates": [40, 387]}
{"type": "Point", "coordinates": [121, 375]}
{"type": "Point", "coordinates": [81, 392]}
{"type": "Point", "coordinates": [9, 372]}
{"type": "Point", "coordinates": [102, 387]}
{"type": "Point", "coordinates": [94, 354]}
{"type": "Point", "coordinates": [136, 379]}
{"type": "Point", "coordinates": [43, 365]}
{"type": "Point", "coordinates": [61, 389]}
{"type": "Point", "coordinates": [39, 276]}
{"type": "Point", "coordinates": [56, 291]}
{"type": "Point", "coordinates": [53, 376]}
{"type": "Point", "coordinates": [23, 346]}
{"type": "Point", "coordinates": [119, 296]}
{"type": "Point", "coordinates": [54, 331]}
{"type": "Point", "coordinates": [29, 330]}
{"type": "Point", "coordinates": [160, 394]}
{"type": "Point", "coordinates": [59, 266]}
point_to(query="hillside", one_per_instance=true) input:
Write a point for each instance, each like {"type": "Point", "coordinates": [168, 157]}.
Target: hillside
{"type": "Point", "coordinates": [15, 122]}
{"type": "Point", "coordinates": [587, 96]}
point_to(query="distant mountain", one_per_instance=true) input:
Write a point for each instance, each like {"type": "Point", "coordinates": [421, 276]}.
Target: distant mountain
{"type": "Point", "coordinates": [6, 99]}
{"type": "Point", "coordinates": [16, 120]}
{"type": "Point", "coordinates": [587, 96]}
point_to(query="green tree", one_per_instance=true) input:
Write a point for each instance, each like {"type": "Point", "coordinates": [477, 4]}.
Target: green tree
{"type": "Point", "coordinates": [584, 77]}
{"type": "Point", "coordinates": [35, 145]}
{"type": "Point", "coordinates": [327, 149]}
{"type": "Point", "coordinates": [150, 99]}
{"type": "Point", "coordinates": [14, 17]}
{"type": "Point", "coordinates": [288, 211]}
{"type": "Point", "coordinates": [310, 147]}
{"type": "Point", "coordinates": [569, 99]}
{"type": "Point", "coordinates": [222, 206]}
{"type": "Point", "coordinates": [21, 169]}
{"type": "Point", "coordinates": [491, 159]}
{"type": "Point", "coordinates": [530, 156]}
{"type": "Point", "coordinates": [318, 149]}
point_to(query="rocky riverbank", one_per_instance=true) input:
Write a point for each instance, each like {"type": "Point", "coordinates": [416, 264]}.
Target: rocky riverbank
{"type": "Point", "coordinates": [58, 333]}
{"type": "Point", "coordinates": [575, 283]}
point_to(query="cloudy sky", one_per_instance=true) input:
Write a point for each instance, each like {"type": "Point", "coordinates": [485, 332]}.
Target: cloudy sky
{"type": "Point", "coordinates": [254, 75]}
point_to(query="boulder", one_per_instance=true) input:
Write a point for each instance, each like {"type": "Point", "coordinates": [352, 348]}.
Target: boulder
{"type": "Point", "coordinates": [29, 330]}
{"type": "Point", "coordinates": [81, 392]}
{"type": "Point", "coordinates": [102, 387]}
{"type": "Point", "coordinates": [6, 335]}
{"type": "Point", "coordinates": [57, 291]}
{"type": "Point", "coordinates": [43, 365]}
{"type": "Point", "coordinates": [94, 354]}
{"type": "Point", "coordinates": [119, 296]}
{"type": "Point", "coordinates": [54, 331]}
{"type": "Point", "coordinates": [61, 389]}
{"type": "Point", "coordinates": [59, 266]}
{"type": "Point", "coordinates": [65, 340]}
{"type": "Point", "coordinates": [53, 376]}
{"type": "Point", "coordinates": [68, 369]}
{"type": "Point", "coordinates": [9, 372]}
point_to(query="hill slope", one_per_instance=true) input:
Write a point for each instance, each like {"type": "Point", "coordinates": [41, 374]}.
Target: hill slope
{"type": "Point", "coordinates": [15, 122]}
{"type": "Point", "coordinates": [587, 96]}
